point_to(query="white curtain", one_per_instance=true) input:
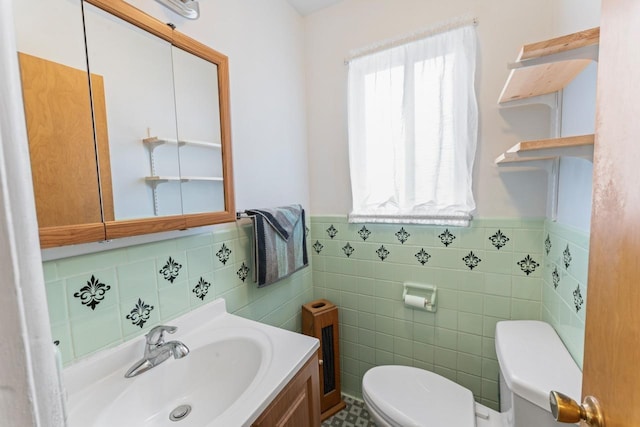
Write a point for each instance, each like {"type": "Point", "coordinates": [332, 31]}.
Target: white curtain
{"type": "Point", "coordinates": [413, 130]}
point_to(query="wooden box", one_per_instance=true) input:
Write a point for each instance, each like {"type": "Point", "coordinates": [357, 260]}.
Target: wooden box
{"type": "Point", "coordinates": [320, 320]}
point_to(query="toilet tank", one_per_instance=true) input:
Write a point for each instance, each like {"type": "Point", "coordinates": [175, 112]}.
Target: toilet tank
{"type": "Point", "coordinates": [533, 361]}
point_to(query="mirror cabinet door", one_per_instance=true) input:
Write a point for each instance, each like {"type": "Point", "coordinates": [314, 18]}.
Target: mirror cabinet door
{"type": "Point", "coordinates": [198, 122]}
{"type": "Point", "coordinates": [50, 41]}
{"type": "Point", "coordinates": [137, 71]}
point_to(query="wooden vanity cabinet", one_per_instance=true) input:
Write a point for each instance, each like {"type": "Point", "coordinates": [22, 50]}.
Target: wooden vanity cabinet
{"type": "Point", "coordinates": [298, 404]}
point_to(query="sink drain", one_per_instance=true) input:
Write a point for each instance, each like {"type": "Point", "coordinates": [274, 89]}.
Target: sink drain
{"type": "Point", "coordinates": [180, 413]}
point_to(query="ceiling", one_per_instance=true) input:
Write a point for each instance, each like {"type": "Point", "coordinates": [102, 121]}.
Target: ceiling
{"type": "Point", "coordinates": [306, 7]}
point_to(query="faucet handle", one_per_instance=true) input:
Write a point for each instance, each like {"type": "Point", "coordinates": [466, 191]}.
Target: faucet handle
{"type": "Point", "coordinates": [156, 335]}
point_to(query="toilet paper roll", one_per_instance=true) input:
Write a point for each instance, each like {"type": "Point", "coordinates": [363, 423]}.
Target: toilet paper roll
{"type": "Point", "coordinates": [415, 301]}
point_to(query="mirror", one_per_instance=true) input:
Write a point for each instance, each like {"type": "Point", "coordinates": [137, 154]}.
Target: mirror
{"type": "Point", "coordinates": [153, 147]}
{"type": "Point", "coordinates": [137, 71]}
{"type": "Point", "coordinates": [196, 90]}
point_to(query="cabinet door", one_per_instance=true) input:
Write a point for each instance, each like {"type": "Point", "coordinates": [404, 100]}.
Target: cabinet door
{"type": "Point", "coordinates": [60, 128]}
{"type": "Point", "coordinates": [298, 405]}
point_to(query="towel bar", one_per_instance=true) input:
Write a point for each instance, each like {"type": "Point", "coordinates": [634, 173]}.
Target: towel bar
{"type": "Point", "coordinates": [242, 215]}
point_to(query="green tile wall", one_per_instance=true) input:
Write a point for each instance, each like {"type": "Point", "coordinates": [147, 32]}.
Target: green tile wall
{"type": "Point", "coordinates": [458, 340]}
{"type": "Point", "coordinates": [376, 328]}
{"type": "Point", "coordinates": [564, 292]}
{"type": "Point", "coordinates": [131, 292]}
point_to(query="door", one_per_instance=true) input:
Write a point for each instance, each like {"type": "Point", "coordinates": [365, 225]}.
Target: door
{"type": "Point", "coordinates": [612, 341]}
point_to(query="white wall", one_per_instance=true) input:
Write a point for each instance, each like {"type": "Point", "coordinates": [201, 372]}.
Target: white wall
{"type": "Point", "coordinates": [578, 117]}
{"type": "Point", "coordinates": [503, 27]}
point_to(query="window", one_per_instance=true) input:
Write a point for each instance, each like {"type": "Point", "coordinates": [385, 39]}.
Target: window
{"type": "Point", "coordinates": [413, 131]}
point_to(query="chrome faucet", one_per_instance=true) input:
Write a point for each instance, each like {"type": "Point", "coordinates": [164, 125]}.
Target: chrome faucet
{"type": "Point", "coordinates": [157, 351]}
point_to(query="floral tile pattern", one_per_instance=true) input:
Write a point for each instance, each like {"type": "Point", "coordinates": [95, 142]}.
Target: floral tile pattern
{"type": "Point", "coordinates": [422, 256]}
{"type": "Point", "coordinates": [348, 249]}
{"type": "Point", "coordinates": [223, 254]}
{"type": "Point", "coordinates": [243, 272]}
{"type": "Point", "coordinates": [170, 270]}
{"type": "Point", "coordinates": [446, 237]}
{"type": "Point", "coordinates": [471, 260]}
{"type": "Point", "coordinates": [555, 277]}
{"type": "Point", "coordinates": [140, 314]}
{"type": "Point", "coordinates": [402, 235]}
{"type": "Point", "coordinates": [332, 231]}
{"type": "Point", "coordinates": [547, 244]}
{"type": "Point", "coordinates": [566, 257]}
{"type": "Point", "coordinates": [317, 246]}
{"type": "Point", "coordinates": [92, 293]}
{"type": "Point", "coordinates": [577, 298]}
{"type": "Point", "coordinates": [382, 252]}
{"type": "Point", "coordinates": [201, 289]}
{"type": "Point", "coordinates": [364, 233]}
{"type": "Point", "coordinates": [498, 240]}
{"type": "Point", "coordinates": [528, 265]}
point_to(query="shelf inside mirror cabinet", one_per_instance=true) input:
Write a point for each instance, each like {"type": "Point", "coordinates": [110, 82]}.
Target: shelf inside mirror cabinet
{"type": "Point", "coordinates": [161, 179]}
{"type": "Point", "coordinates": [155, 141]}
{"type": "Point", "coordinates": [548, 149]}
{"type": "Point", "coordinates": [549, 66]}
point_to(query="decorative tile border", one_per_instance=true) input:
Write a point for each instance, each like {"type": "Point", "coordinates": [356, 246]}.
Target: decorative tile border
{"type": "Point", "coordinates": [566, 253]}
{"type": "Point", "coordinates": [485, 273]}
{"type": "Point", "coordinates": [100, 300]}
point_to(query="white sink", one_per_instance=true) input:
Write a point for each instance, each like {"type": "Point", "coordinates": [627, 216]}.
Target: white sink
{"type": "Point", "coordinates": [234, 370]}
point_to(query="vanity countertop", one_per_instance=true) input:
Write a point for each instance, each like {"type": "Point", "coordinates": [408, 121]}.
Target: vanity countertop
{"type": "Point", "coordinates": [236, 367]}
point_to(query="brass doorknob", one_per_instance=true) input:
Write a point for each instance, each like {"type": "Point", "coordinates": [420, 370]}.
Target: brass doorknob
{"type": "Point", "coordinates": [566, 410]}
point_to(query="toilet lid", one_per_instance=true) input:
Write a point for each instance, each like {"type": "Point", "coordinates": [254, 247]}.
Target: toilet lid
{"type": "Point", "coordinates": [408, 396]}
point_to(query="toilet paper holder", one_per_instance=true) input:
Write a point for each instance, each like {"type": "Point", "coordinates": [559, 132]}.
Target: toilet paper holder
{"type": "Point", "coordinates": [421, 296]}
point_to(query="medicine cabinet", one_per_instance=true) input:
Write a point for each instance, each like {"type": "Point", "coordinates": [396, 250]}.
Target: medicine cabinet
{"type": "Point", "coordinates": [127, 119]}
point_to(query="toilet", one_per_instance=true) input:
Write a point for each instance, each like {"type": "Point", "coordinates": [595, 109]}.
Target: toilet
{"type": "Point", "coordinates": [533, 361]}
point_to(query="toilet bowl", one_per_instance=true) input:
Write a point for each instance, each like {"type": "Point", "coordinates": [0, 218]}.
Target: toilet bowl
{"type": "Point", "coordinates": [402, 396]}
{"type": "Point", "coordinates": [406, 396]}
{"type": "Point", "coordinates": [533, 361]}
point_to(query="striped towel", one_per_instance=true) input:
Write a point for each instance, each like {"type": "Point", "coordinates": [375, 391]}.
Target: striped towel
{"type": "Point", "coordinates": [279, 244]}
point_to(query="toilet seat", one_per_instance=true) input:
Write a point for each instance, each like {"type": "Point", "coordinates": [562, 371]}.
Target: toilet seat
{"type": "Point", "coordinates": [407, 396]}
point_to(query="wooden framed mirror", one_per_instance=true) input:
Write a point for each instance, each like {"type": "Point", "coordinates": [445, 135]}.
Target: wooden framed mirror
{"type": "Point", "coordinates": [153, 140]}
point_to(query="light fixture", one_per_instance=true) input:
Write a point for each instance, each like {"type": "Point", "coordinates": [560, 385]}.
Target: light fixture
{"type": "Point", "coordinates": [187, 8]}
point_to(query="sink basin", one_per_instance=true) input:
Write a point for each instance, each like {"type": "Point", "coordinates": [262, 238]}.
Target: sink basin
{"type": "Point", "coordinates": [230, 375]}
{"type": "Point", "coordinates": [209, 380]}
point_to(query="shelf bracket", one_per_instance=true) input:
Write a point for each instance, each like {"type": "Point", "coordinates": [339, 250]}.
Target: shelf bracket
{"type": "Point", "coordinates": [553, 189]}
{"type": "Point", "coordinates": [556, 115]}
{"type": "Point", "coordinates": [154, 190]}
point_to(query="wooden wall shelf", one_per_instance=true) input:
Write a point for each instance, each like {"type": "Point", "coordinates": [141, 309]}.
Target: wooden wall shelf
{"type": "Point", "coordinates": [548, 66]}
{"type": "Point", "coordinates": [547, 149]}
